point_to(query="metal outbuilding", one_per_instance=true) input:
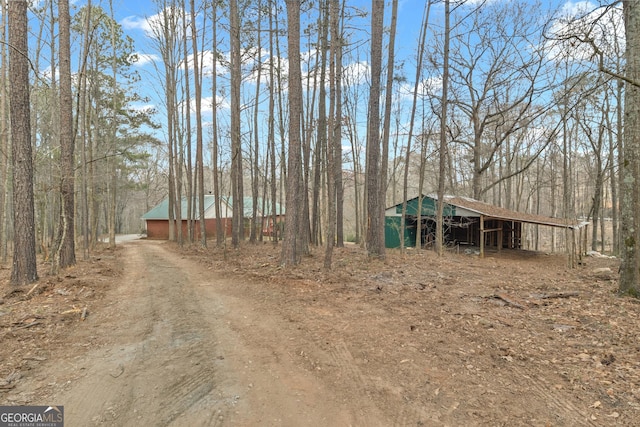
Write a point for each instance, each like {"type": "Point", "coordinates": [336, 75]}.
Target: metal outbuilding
{"type": "Point", "coordinates": [467, 222]}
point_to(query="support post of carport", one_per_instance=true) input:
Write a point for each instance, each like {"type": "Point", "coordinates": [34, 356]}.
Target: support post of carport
{"type": "Point", "coordinates": [481, 236]}
{"type": "Point", "coordinates": [500, 235]}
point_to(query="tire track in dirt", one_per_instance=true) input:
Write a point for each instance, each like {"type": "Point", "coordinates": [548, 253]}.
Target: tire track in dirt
{"type": "Point", "coordinates": [565, 411]}
{"type": "Point", "coordinates": [183, 348]}
{"type": "Point", "coordinates": [350, 372]}
{"type": "Point", "coordinates": [164, 371]}
{"type": "Point", "coordinates": [177, 306]}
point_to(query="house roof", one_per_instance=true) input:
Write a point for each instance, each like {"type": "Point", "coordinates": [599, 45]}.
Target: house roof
{"type": "Point", "coordinates": [161, 211]}
{"type": "Point", "coordinates": [247, 203]}
{"type": "Point", "coordinates": [465, 206]}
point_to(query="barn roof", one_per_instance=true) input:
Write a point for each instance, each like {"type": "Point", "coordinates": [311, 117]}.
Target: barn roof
{"type": "Point", "coordinates": [468, 207]}
{"type": "Point", "coordinates": [491, 211]}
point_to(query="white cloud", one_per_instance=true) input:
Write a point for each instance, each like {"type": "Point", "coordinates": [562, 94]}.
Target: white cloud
{"type": "Point", "coordinates": [206, 60]}
{"type": "Point", "coordinates": [431, 86]}
{"type": "Point", "coordinates": [472, 3]}
{"type": "Point", "coordinates": [357, 72]}
{"type": "Point", "coordinates": [308, 56]}
{"type": "Point", "coordinates": [146, 58]}
{"type": "Point", "coordinates": [221, 104]}
{"type": "Point", "coordinates": [152, 25]}
{"type": "Point", "coordinates": [136, 23]}
{"type": "Point", "coordinates": [144, 108]}
{"type": "Point", "coordinates": [576, 9]}
{"type": "Point", "coordinates": [206, 104]}
{"type": "Point", "coordinates": [582, 30]}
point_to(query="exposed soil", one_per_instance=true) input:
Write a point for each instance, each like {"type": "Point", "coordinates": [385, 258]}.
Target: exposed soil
{"type": "Point", "coordinates": [194, 337]}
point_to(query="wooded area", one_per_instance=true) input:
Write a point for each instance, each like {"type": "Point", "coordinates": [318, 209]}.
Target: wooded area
{"type": "Point", "coordinates": [315, 104]}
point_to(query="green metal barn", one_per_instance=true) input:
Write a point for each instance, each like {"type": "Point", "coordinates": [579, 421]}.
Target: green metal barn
{"type": "Point", "coordinates": [467, 222]}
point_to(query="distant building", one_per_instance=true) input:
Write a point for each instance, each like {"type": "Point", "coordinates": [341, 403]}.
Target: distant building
{"type": "Point", "coordinates": [157, 219]}
{"type": "Point", "coordinates": [467, 222]}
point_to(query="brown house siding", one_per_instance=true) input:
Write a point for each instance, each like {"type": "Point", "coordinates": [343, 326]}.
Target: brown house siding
{"type": "Point", "coordinates": [158, 229]}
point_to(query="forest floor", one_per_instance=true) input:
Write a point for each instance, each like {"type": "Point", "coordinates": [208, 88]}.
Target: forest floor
{"type": "Point", "coordinates": [213, 337]}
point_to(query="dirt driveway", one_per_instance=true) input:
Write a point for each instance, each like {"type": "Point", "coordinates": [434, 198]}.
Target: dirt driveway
{"type": "Point", "coordinates": [226, 338]}
{"type": "Point", "coordinates": [179, 351]}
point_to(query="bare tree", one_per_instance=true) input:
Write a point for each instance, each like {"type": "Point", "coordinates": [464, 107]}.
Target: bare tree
{"type": "Point", "coordinates": [337, 43]}
{"type": "Point", "coordinates": [113, 134]}
{"type": "Point", "coordinates": [165, 33]}
{"type": "Point", "coordinates": [596, 138]}
{"type": "Point", "coordinates": [220, 228]}
{"type": "Point", "coordinates": [237, 225]}
{"type": "Point", "coordinates": [4, 133]}
{"type": "Point", "coordinates": [630, 192]}
{"type": "Point", "coordinates": [334, 140]}
{"type": "Point", "coordinates": [325, 140]}
{"type": "Point", "coordinates": [294, 244]}
{"type": "Point", "coordinates": [375, 194]}
{"type": "Point", "coordinates": [386, 134]}
{"type": "Point", "coordinates": [442, 152]}
{"type": "Point", "coordinates": [82, 117]}
{"type": "Point", "coordinates": [190, 197]}
{"type": "Point", "coordinates": [65, 254]}
{"type": "Point", "coordinates": [321, 138]}
{"type": "Point", "coordinates": [271, 140]}
{"type": "Point", "coordinates": [416, 88]}
{"type": "Point", "coordinates": [24, 249]}
{"type": "Point", "coordinates": [197, 67]}
{"type": "Point", "coordinates": [255, 170]}
{"type": "Point", "coordinates": [495, 87]}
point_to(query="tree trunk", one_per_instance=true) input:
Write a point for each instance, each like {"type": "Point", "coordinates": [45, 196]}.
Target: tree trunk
{"type": "Point", "coordinates": [620, 164]}
{"type": "Point", "coordinates": [220, 229]}
{"type": "Point", "coordinates": [320, 153]}
{"type": "Point", "coordinates": [281, 122]}
{"type": "Point", "coordinates": [167, 47]}
{"type": "Point", "coordinates": [84, 133]}
{"type": "Point", "coordinates": [65, 254]}
{"type": "Point", "coordinates": [190, 196]}
{"type": "Point", "coordinates": [384, 163]}
{"type": "Point", "coordinates": [24, 249]}
{"type": "Point", "coordinates": [113, 170]}
{"type": "Point", "coordinates": [629, 212]}
{"type": "Point", "coordinates": [236, 142]}
{"type": "Point", "coordinates": [442, 154]}
{"type": "Point", "coordinates": [275, 235]}
{"type": "Point", "coordinates": [4, 135]}
{"type": "Point", "coordinates": [416, 86]}
{"type": "Point", "coordinates": [337, 41]}
{"type": "Point", "coordinates": [197, 78]}
{"type": "Point", "coordinates": [294, 242]}
{"type": "Point", "coordinates": [330, 17]}
{"type": "Point", "coordinates": [255, 181]}
{"type": "Point", "coordinates": [375, 198]}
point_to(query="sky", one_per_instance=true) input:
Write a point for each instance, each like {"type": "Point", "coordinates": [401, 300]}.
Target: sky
{"type": "Point", "coordinates": [133, 16]}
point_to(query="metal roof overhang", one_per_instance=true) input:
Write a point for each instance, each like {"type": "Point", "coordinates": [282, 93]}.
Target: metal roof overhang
{"type": "Point", "coordinates": [494, 212]}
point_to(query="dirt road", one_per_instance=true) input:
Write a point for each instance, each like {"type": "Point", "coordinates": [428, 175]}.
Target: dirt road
{"type": "Point", "coordinates": [181, 351]}
{"type": "Point", "coordinates": [194, 337]}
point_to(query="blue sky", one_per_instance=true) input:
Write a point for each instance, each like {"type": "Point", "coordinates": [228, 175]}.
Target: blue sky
{"type": "Point", "coordinates": [132, 15]}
